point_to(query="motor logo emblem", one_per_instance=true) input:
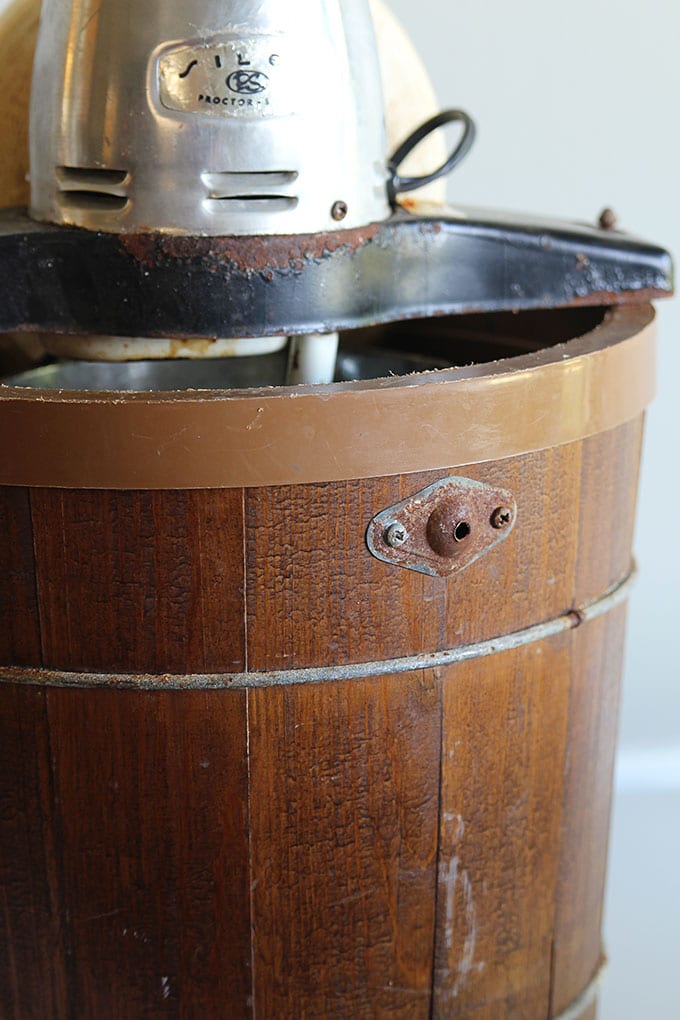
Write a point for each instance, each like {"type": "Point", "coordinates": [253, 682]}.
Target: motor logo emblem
{"type": "Point", "coordinates": [247, 83]}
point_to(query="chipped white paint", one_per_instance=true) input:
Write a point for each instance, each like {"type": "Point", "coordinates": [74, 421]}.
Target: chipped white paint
{"type": "Point", "coordinates": [456, 884]}
{"type": "Point", "coordinates": [165, 987]}
{"type": "Point", "coordinates": [465, 966]}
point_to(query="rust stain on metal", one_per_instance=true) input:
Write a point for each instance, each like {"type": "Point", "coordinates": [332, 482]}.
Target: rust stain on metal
{"type": "Point", "coordinates": [444, 528]}
{"type": "Point", "coordinates": [606, 298]}
{"type": "Point", "coordinates": [264, 255]}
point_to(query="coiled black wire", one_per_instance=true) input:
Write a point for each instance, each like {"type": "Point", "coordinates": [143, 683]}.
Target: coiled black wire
{"type": "Point", "coordinates": [398, 185]}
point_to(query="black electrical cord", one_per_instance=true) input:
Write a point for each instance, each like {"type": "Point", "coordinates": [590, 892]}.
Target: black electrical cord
{"type": "Point", "coordinates": [397, 185]}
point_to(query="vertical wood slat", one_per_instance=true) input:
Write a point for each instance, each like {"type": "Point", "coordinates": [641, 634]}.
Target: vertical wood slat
{"type": "Point", "coordinates": [344, 805]}
{"type": "Point", "coordinates": [152, 796]}
{"type": "Point", "coordinates": [504, 726]}
{"type": "Point", "coordinates": [593, 724]}
{"type": "Point", "coordinates": [19, 621]}
{"type": "Point", "coordinates": [35, 969]}
{"type": "Point", "coordinates": [139, 581]}
{"type": "Point", "coordinates": [609, 485]}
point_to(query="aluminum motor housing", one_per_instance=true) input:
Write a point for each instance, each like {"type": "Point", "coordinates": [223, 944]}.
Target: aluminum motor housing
{"type": "Point", "coordinates": [214, 117]}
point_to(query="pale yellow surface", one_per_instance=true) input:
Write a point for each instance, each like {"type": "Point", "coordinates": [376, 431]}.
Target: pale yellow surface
{"type": "Point", "coordinates": [18, 28]}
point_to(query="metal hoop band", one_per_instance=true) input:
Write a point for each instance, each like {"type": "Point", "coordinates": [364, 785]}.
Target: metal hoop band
{"type": "Point", "coordinates": [326, 674]}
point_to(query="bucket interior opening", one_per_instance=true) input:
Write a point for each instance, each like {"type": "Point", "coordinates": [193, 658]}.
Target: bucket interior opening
{"type": "Point", "coordinates": [376, 352]}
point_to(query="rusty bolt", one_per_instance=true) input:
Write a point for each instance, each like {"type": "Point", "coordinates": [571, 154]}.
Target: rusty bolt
{"type": "Point", "coordinates": [339, 211]}
{"type": "Point", "coordinates": [448, 528]}
{"type": "Point", "coordinates": [396, 536]}
{"type": "Point", "coordinates": [608, 220]}
{"type": "Point", "coordinates": [501, 517]}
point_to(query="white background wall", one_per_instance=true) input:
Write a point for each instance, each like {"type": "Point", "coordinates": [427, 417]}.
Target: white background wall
{"type": "Point", "coordinates": [578, 107]}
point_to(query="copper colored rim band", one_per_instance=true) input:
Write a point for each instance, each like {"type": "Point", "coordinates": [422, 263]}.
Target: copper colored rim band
{"type": "Point", "coordinates": [430, 421]}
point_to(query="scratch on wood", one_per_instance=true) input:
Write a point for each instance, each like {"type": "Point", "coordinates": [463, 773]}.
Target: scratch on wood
{"type": "Point", "coordinates": [457, 886]}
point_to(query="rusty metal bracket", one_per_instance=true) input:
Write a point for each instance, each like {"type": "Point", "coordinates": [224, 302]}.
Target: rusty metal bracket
{"type": "Point", "coordinates": [444, 528]}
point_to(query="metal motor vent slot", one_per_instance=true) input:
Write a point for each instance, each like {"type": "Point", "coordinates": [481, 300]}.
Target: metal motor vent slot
{"type": "Point", "coordinates": [250, 203]}
{"type": "Point", "coordinates": [258, 190]}
{"type": "Point", "coordinates": [254, 183]}
{"type": "Point", "coordinates": [93, 188]}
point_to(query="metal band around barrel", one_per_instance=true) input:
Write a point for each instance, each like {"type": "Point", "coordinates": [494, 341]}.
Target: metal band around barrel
{"type": "Point", "coordinates": [325, 674]}
{"type": "Point", "coordinates": [284, 436]}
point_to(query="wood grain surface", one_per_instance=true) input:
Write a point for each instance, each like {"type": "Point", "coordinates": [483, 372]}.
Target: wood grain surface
{"type": "Point", "coordinates": [35, 960]}
{"type": "Point", "coordinates": [610, 466]}
{"type": "Point", "coordinates": [593, 726]}
{"type": "Point", "coordinates": [428, 844]}
{"type": "Point", "coordinates": [504, 746]}
{"type": "Point", "coordinates": [152, 855]}
{"type": "Point", "coordinates": [344, 794]}
{"type": "Point", "coordinates": [20, 630]}
{"type": "Point", "coordinates": [139, 581]}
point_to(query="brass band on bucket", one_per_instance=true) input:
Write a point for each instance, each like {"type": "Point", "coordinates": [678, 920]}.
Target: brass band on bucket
{"type": "Point", "coordinates": [428, 421]}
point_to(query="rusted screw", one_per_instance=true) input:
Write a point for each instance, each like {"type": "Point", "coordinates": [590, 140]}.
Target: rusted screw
{"type": "Point", "coordinates": [396, 536]}
{"type": "Point", "coordinates": [608, 220]}
{"type": "Point", "coordinates": [501, 518]}
{"type": "Point", "coordinates": [339, 211]}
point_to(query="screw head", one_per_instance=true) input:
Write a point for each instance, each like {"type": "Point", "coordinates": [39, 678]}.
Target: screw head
{"type": "Point", "coordinates": [339, 211]}
{"type": "Point", "coordinates": [396, 536]}
{"type": "Point", "coordinates": [501, 518]}
{"type": "Point", "coordinates": [608, 220]}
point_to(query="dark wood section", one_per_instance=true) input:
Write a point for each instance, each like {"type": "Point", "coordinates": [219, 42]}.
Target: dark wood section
{"type": "Point", "coordinates": [335, 604]}
{"type": "Point", "coordinates": [34, 935]}
{"type": "Point", "coordinates": [504, 728]}
{"type": "Point", "coordinates": [609, 482]}
{"type": "Point", "coordinates": [151, 792]}
{"type": "Point", "coordinates": [140, 582]}
{"type": "Point", "coordinates": [19, 626]}
{"type": "Point", "coordinates": [597, 651]}
{"type": "Point", "coordinates": [344, 806]}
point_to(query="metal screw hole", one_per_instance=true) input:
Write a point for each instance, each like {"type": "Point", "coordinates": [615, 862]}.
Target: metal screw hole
{"type": "Point", "coordinates": [461, 531]}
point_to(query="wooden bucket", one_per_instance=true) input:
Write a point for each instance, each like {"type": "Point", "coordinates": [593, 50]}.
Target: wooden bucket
{"type": "Point", "coordinates": [250, 770]}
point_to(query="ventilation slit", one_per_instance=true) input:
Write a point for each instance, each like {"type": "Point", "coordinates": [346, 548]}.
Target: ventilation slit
{"type": "Point", "coordinates": [255, 191]}
{"type": "Point", "coordinates": [92, 189]}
